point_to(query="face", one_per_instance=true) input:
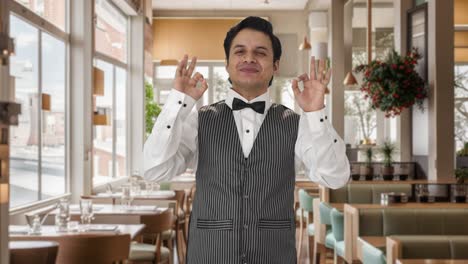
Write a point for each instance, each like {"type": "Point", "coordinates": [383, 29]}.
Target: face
{"type": "Point", "coordinates": [250, 64]}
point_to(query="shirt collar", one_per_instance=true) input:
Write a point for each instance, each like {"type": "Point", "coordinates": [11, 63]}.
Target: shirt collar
{"type": "Point", "coordinates": [264, 97]}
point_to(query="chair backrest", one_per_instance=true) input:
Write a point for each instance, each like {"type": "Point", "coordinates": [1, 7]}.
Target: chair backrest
{"type": "Point", "coordinates": [337, 223]}
{"type": "Point", "coordinates": [180, 198]}
{"type": "Point", "coordinates": [402, 221]}
{"type": "Point", "coordinates": [90, 248]}
{"type": "Point", "coordinates": [325, 210]}
{"type": "Point", "coordinates": [428, 247]}
{"type": "Point", "coordinates": [42, 252]}
{"type": "Point", "coordinates": [306, 201]}
{"type": "Point", "coordinates": [156, 224]}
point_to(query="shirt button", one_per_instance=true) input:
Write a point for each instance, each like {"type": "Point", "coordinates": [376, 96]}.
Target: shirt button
{"type": "Point", "coordinates": [247, 131]}
{"type": "Point", "coordinates": [168, 126]}
{"type": "Point", "coordinates": [321, 119]}
{"type": "Point", "coordinates": [184, 105]}
{"type": "Point", "coordinates": [180, 102]}
{"type": "Point", "coordinates": [326, 117]}
{"type": "Point", "coordinates": [335, 140]}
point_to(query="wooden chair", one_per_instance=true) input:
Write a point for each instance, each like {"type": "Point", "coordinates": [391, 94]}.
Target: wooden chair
{"type": "Point", "coordinates": [90, 248]}
{"type": "Point", "coordinates": [154, 252]}
{"type": "Point", "coordinates": [42, 252]}
{"type": "Point", "coordinates": [180, 226]}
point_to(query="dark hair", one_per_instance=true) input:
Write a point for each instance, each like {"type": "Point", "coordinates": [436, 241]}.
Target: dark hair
{"type": "Point", "coordinates": [255, 23]}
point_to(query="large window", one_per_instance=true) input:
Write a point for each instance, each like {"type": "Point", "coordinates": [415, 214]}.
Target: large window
{"type": "Point", "coordinates": [362, 123]}
{"type": "Point", "coordinates": [214, 72]}
{"type": "Point", "coordinates": [461, 105]}
{"type": "Point", "coordinates": [53, 11]}
{"type": "Point", "coordinates": [110, 138]}
{"type": "Point", "coordinates": [110, 31]}
{"type": "Point", "coordinates": [38, 143]}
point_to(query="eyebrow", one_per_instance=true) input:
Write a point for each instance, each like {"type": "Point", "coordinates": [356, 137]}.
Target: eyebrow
{"type": "Point", "coordinates": [243, 46]}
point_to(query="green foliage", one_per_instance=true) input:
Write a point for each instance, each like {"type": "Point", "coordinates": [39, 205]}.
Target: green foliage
{"type": "Point", "coordinates": [152, 109]}
{"type": "Point", "coordinates": [369, 153]}
{"type": "Point", "coordinates": [464, 151]}
{"type": "Point", "coordinates": [387, 151]}
{"type": "Point", "coordinates": [393, 84]}
{"type": "Point", "coordinates": [461, 174]}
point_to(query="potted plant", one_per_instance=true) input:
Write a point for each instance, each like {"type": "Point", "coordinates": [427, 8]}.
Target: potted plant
{"type": "Point", "coordinates": [388, 170]}
{"type": "Point", "coordinates": [393, 84]}
{"type": "Point", "coordinates": [461, 174]}
{"type": "Point", "coordinates": [462, 156]}
{"type": "Point", "coordinates": [366, 169]}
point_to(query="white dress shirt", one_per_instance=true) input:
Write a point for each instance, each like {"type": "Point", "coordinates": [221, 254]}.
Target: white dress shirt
{"type": "Point", "coordinates": [172, 146]}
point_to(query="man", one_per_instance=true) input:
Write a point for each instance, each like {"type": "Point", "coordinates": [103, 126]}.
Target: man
{"type": "Point", "coordinates": [245, 150]}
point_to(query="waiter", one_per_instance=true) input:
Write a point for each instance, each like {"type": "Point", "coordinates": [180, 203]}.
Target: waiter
{"type": "Point", "coordinates": [244, 150]}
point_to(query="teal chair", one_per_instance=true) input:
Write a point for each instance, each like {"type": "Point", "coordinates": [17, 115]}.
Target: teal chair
{"type": "Point", "coordinates": [337, 223]}
{"type": "Point", "coordinates": [325, 219]}
{"type": "Point", "coordinates": [306, 212]}
{"type": "Point", "coordinates": [372, 255]}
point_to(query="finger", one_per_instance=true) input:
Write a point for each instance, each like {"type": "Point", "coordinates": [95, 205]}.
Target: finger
{"type": "Point", "coordinates": [295, 88]}
{"type": "Point", "coordinates": [320, 70]}
{"type": "Point", "coordinates": [312, 69]}
{"type": "Point", "coordinates": [198, 77]}
{"type": "Point", "coordinates": [184, 65]}
{"type": "Point", "coordinates": [204, 85]}
{"type": "Point", "coordinates": [179, 67]}
{"type": "Point", "coordinates": [328, 76]}
{"type": "Point", "coordinates": [303, 77]}
{"type": "Point", "coordinates": [192, 66]}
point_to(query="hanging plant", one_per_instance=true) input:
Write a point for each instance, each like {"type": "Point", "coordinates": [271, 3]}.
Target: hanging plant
{"type": "Point", "coordinates": [393, 84]}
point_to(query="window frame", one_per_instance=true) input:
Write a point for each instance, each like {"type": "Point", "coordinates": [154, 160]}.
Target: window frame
{"type": "Point", "coordinates": [125, 66]}
{"type": "Point", "coordinates": [42, 25]}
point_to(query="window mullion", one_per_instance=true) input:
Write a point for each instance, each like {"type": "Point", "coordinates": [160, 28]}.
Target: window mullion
{"type": "Point", "coordinates": [114, 117]}
{"type": "Point", "coordinates": [39, 116]}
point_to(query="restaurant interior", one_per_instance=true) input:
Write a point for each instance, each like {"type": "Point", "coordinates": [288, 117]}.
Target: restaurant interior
{"type": "Point", "coordinates": [73, 129]}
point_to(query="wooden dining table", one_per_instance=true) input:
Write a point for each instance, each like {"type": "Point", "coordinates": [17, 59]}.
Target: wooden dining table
{"type": "Point", "coordinates": [112, 214]}
{"type": "Point", "coordinates": [21, 232]}
{"type": "Point", "coordinates": [432, 261]}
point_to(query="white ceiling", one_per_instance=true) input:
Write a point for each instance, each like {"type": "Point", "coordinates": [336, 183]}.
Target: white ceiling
{"type": "Point", "coordinates": [229, 4]}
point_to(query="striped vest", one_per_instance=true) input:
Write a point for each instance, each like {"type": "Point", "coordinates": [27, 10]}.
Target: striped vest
{"type": "Point", "coordinates": [243, 207]}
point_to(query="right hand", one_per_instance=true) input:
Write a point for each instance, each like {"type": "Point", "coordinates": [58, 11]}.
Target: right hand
{"type": "Point", "coordinates": [184, 82]}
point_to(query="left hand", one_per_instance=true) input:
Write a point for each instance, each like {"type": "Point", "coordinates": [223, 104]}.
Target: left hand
{"type": "Point", "coordinates": [312, 97]}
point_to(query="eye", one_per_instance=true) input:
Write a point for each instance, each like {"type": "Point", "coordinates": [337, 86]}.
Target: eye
{"type": "Point", "coordinates": [238, 52]}
{"type": "Point", "coordinates": [261, 53]}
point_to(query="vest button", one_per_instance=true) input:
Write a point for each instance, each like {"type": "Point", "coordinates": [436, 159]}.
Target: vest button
{"type": "Point", "coordinates": [246, 226]}
{"type": "Point", "coordinates": [246, 196]}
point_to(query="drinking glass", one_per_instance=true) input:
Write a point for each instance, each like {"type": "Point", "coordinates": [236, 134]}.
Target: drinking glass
{"type": "Point", "coordinates": [86, 210]}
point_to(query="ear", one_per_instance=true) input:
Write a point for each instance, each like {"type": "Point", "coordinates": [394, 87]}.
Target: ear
{"type": "Point", "coordinates": [276, 67]}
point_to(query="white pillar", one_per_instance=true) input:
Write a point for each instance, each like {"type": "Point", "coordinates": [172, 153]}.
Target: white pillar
{"type": "Point", "coordinates": [81, 85]}
{"type": "Point", "coordinates": [336, 38]}
{"type": "Point", "coordinates": [441, 83]}
{"type": "Point", "coordinates": [136, 108]}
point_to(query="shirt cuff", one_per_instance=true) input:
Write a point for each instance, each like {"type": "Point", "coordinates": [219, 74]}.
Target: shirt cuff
{"type": "Point", "coordinates": [316, 120]}
{"type": "Point", "coordinates": [181, 101]}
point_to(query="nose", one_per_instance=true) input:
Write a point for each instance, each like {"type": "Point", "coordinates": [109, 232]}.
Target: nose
{"type": "Point", "coordinates": [249, 57]}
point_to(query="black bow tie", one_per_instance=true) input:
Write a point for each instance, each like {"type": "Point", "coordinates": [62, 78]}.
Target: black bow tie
{"type": "Point", "coordinates": [258, 107]}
